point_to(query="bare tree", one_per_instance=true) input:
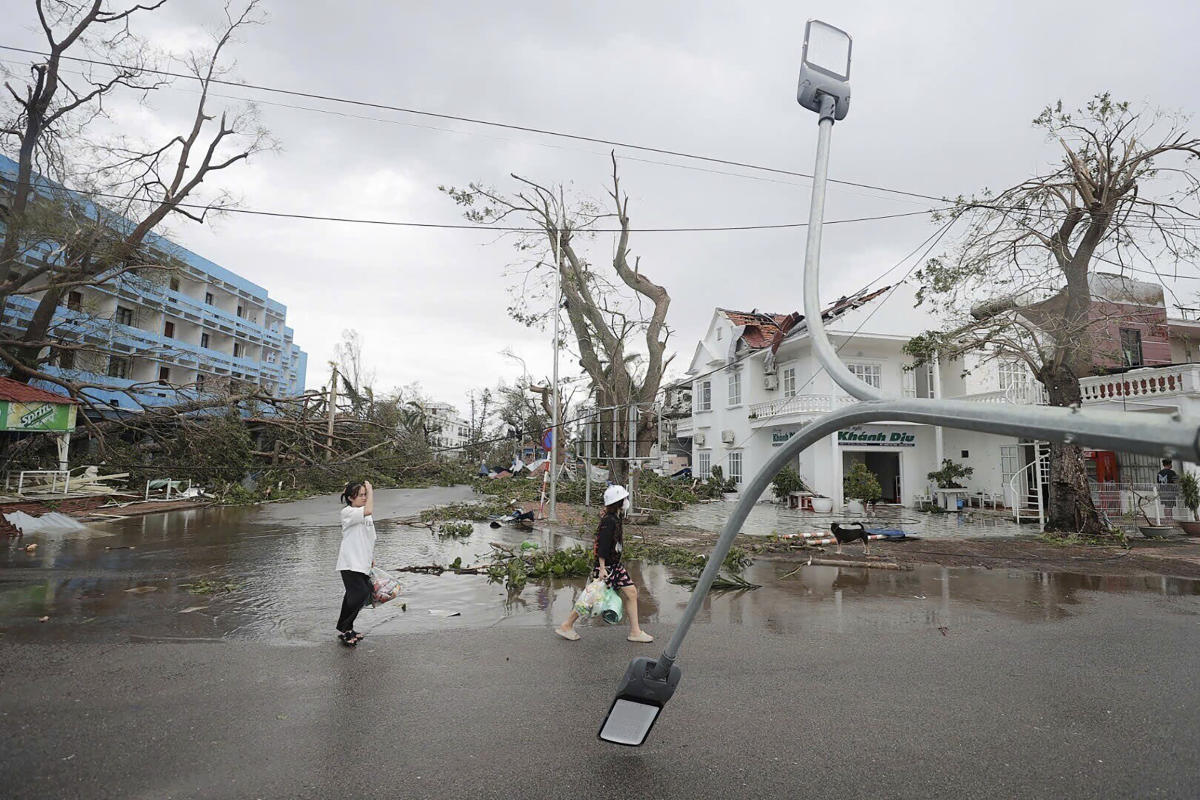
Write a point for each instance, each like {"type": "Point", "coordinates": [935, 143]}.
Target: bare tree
{"type": "Point", "coordinates": [357, 379]}
{"type": "Point", "coordinates": [606, 316]}
{"type": "Point", "coordinates": [1123, 197]}
{"type": "Point", "coordinates": [58, 239]}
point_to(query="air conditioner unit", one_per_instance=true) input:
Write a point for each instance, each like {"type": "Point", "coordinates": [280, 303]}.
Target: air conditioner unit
{"type": "Point", "coordinates": [770, 381]}
{"type": "Point", "coordinates": [727, 437]}
{"type": "Point", "coordinates": [699, 439]}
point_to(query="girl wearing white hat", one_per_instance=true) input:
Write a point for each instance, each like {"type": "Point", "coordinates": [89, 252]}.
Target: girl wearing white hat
{"type": "Point", "coordinates": [607, 549]}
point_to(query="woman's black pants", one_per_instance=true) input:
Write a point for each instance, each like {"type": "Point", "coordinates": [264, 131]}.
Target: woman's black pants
{"type": "Point", "coordinates": [358, 592]}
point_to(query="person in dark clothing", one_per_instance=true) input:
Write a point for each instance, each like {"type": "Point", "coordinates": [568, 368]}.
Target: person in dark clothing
{"type": "Point", "coordinates": [607, 551]}
{"type": "Point", "coordinates": [1167, 490]}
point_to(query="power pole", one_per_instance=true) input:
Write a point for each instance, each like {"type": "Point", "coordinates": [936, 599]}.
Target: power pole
{"type": "Point", "coordinates": [332, 402]}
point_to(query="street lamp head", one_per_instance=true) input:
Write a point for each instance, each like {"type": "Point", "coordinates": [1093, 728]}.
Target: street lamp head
{"type": "Point", "coordinates": [644, 690]}
{"type": "Point", "coordinates": [825, 69]}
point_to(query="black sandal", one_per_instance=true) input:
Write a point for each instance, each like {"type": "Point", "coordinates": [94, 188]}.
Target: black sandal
{"type": "Point", "coordinates": [349, 638]}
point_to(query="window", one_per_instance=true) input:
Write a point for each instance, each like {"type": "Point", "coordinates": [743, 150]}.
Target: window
{"type": "Point", "coordinates": [241, 311]}
{"type": "Point", "coordinates": [704, 396]}
{"type": "Point", "coordinates": [735, 388]}
{"type": "Point", "coordinates": [169, 330]}
{"type": "Point", "coordinates": [66, 359]}
{"type": "Point", "coordinates": [208, 298]}
{"type": "Point", "coordinates": [237, 349]}
{"type": "Point", "coordinates": [118, 367]}
{"type": "Point", "coordinates": [1013, 375]}
{"type": "Point", "coordinates": [925, 380]}
{"type": "Point", "coordinates": [75, 301]}
{"type": "Point", "coordinates": [174, 284]}
{"type": "Point", "coordinates": [735, 467]}
{"type": "Point", "coordinates": [199, 381]}
{"type": "Point", "coordinates": [204, 340]}
{"type": "Point", "coordinates": [867, 373]}
{"type": "Point", "coordinates": [164, 375]}
{"type": "Point", "coordinates": [789, 382]}
{"type": "Point", "coordinates": [719, 330]}
{"type": "Point", "coordinates": [703, 463]}
{"type": "Point", "coordinates": [1131, 347]}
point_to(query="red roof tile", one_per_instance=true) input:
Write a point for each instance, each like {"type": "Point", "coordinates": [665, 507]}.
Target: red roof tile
{"type": "Point", "coordinates": [17, 392]}
{"type": "Point", "coordinates": [763, 329]}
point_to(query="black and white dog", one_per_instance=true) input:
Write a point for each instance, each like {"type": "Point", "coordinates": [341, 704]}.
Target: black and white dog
{"type": "Point", "coordinates": [848, 532]}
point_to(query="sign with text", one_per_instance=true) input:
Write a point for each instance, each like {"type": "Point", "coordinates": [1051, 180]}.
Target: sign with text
{"type": "Point", "coordinates": [863, 436]}
{"type": "Point", "coordinates": [36, 416]}
{"type": "Point", "coordinates": [779, 438]}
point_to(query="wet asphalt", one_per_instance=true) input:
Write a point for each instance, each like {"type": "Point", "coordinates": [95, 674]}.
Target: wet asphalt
{"type": "Point", "coordinates": [829, 683]}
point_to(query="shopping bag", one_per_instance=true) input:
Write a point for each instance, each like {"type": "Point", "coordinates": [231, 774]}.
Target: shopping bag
{"type": "Point", "coordinates": [589, 597]}
{"type": "Point", "coordinates": [384, 586]}
{"type": "Point", "coordinates": [610, 608]}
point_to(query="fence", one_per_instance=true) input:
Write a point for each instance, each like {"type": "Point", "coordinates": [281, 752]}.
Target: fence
{"type": "Point", "coordinates": [1127, 504]}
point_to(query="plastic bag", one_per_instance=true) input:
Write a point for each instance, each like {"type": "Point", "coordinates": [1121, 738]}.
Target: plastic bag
{"type": "Point", "coordinates": [590, 597]}
{"type": "Point", "coordinates": [610, 608]}
{"type": "Point", "coordinates": [384, 586]}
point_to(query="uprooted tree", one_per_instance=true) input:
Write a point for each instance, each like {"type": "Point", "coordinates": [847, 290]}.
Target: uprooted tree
{"type": "Point", "coordinates": [1017, 285]}
{"type": "Point", "coordinates": [606, 315]}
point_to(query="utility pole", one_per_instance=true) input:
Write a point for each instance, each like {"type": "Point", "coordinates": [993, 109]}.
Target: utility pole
{"type": "Point", "coordinates": [553, 516]}
{"type": "Point", "coordinates": [332, 402]}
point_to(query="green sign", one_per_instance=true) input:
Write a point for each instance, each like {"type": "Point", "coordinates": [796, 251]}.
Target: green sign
{"type": "Point", "coordinates": [876, 437]}
{"type": "Point", "coordinates": [36, 416]}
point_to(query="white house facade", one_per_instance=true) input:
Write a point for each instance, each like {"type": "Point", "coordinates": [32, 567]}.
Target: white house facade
{"type": "Point", "coordinates": [756, 383]}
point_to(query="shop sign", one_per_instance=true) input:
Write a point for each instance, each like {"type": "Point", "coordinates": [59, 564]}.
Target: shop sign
{"type": "Point", "coordinates": [36, 416]}
{"type": "Point", "coordinates": [780, 438]}
{"type": "Point", "coordinates": [876, 437]}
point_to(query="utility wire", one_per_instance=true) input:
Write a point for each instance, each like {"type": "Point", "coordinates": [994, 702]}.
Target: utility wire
{"type": "Point", "coordinates": [484, 122]}
{"type": "Point", "coordinates": [1174, 226]}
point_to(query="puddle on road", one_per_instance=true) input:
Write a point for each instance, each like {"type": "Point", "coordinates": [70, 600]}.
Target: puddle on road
{"type": "Point", "coordinates": [267, 573]}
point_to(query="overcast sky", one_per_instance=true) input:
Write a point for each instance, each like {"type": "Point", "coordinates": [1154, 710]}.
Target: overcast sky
{"type": "Point", "coordinates": [943, 96]}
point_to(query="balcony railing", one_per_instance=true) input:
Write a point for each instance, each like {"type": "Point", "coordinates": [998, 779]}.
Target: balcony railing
{"type": "Point", "coordinates": [1148, 383]}
{"type": "Point", "coordinates": [1023, 394]}
{"type": "Point", "coordinates": [799, 404]}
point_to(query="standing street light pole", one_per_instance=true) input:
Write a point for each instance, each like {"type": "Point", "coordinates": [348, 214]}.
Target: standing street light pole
{"type": "Point", "coordinates": [553, 515]}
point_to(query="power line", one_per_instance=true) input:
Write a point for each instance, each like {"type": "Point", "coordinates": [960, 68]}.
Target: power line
{"type": "Point", "coordinates": [497, 228]}
{"type": "Point", "coordinates": [1174, 226]}
{"type": "Point", "coordinates": [483, 122]}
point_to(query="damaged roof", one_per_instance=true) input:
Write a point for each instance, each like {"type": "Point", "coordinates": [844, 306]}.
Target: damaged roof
{"type": "Point", "coordinates": [17, 392]}
{"type": "Point", "coordinates": [762, 329]}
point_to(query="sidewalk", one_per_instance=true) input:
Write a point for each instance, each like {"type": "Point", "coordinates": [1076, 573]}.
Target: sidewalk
{"type": "Point", "coordinates": [768, 518]}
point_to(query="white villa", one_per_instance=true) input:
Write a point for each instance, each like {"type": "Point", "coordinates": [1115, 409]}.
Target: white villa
{"type": "Point", "coordinates": [756, 383]}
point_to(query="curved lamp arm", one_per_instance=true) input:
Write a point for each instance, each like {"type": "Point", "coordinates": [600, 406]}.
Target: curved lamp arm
{"type": "Point", "coordinates": [1166, 438]}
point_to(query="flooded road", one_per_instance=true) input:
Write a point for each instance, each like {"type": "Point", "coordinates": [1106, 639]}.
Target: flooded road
{"type": "Point", "coordinates": [266, 573]}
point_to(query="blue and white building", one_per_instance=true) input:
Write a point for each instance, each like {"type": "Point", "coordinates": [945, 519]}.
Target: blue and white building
{"type": "Point", "coordinates": [196, 330]}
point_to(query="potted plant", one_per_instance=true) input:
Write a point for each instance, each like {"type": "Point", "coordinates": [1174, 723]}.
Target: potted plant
{"type": "Point", "coordinates": [1189, 493]}
{"type": "Point", "coordinates": [724, 486]}
{"type": "Point", "coordinates": [861, 487]}
{"type": "Point", "coordinates": [950, 474]}
{"type": "Point", "coordinates": [787, 481]}
{"type": "Point", "coordinates": [1151, 530]}
{"type": "Point", "coordinates": [822, 504]}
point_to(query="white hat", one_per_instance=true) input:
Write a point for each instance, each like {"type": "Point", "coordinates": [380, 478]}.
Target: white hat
{"type": "Point", "coordinates": [614, 494]}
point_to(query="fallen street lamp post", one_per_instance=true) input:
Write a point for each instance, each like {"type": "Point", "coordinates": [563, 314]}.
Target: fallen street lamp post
{"type": "Point", "coordinates": [648, 684]}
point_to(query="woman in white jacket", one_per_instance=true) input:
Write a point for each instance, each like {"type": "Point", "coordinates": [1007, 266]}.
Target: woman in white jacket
{"type": "Point", "coordinates": [356, 556]}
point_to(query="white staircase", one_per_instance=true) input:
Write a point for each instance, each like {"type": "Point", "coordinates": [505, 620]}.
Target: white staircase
{"type": "Point", "coordinates": [1025, 487]}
